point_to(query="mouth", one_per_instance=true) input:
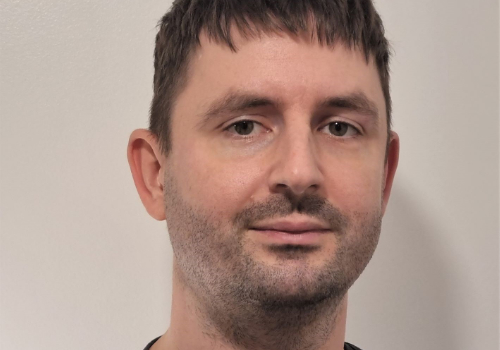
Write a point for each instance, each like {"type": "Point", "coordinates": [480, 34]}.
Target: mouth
{"type": "Point", "coordinates": [291, 231]}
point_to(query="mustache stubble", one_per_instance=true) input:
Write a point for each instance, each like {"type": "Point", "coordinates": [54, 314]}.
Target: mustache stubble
{"type": "Point", "coordinates": [280, 205]}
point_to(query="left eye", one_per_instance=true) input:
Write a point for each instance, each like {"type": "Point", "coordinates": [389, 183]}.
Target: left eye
{"type": "Point", "coordinates": [340, 129]}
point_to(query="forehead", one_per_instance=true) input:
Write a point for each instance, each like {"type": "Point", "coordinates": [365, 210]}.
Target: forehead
{"type": "Point", "coordinates": [294, 69]}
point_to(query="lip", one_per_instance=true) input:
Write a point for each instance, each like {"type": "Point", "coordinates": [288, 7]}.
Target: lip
{"type": "Point", "coordinates": [274, 237]}
{"type": "Point", "coordinates": [298, 231]}
{"type": "Point", "coordinates": [291, 226]}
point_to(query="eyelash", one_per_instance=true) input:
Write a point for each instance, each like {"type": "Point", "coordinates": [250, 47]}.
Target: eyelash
{"type": "Point", "coordinates": [342, 138]}
{"type": "Point", "coordinates": [246, 137]}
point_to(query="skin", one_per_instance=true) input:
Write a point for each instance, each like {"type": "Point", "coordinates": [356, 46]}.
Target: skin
{"type": "Point", "coordinates": [235, 287]}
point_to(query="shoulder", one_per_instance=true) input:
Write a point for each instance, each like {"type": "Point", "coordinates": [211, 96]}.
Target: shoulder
{"type": "Point", "coordinates": [150, 344]}
{"type": "Point", "coordinates": [348, 346]}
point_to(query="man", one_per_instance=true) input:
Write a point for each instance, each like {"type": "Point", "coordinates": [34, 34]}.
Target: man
{"type": "Point", "coordinates": [271, 157]}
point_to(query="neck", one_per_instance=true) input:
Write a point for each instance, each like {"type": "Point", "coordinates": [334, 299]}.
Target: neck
{"type": "Point", "coordinates": [196, 325]}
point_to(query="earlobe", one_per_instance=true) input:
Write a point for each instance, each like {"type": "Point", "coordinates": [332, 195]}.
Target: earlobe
{"type": "Point", "coordinates": [146, 164]}
{"type": "Point", "coordinates": [391, 165]}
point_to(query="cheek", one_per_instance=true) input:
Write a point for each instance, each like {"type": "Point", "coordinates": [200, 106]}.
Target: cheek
{"type": "Point", "coordinates": [214, 185]}
{"type": "Point", "coordinates": [355, 187]}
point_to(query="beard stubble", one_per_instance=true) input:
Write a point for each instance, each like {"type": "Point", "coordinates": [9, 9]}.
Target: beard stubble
{"type": "Point", "coordinates": [244, 302]}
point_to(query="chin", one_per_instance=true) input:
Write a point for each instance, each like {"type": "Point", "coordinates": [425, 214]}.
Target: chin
{"type": "Point", "coordinates": [297, 298]}
{"type": "Point", "coordinates": [294, 283]}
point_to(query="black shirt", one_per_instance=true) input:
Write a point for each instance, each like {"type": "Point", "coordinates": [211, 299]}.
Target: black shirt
{"type": "Point", "coordinates": [347, 346]}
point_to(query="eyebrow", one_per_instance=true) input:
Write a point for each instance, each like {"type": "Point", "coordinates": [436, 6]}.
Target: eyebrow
{"type": "Point", "coordinates": [237, 102]}
{"type": "Point", "coordinates": [357, 102]}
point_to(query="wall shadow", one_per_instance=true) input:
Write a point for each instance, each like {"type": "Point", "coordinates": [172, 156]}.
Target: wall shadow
{"type": "Point", "coordinates": [404, 300]}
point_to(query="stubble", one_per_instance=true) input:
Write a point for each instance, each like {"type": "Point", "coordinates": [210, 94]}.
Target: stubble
{"type": "Point", "coordinates": [242, 301]}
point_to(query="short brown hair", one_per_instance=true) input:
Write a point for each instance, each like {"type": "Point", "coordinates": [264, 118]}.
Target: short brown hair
{"type": "Point", "coordinates": [353, 22]}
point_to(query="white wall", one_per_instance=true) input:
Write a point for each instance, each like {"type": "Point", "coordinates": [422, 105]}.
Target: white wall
{"type": "Point", "coordinates": [84, 267]}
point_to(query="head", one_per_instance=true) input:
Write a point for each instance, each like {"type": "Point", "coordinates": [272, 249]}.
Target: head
{"type": "Point", "coordinates": [355, 24]}
{"type": "Point", "coordinates": [269, 153]}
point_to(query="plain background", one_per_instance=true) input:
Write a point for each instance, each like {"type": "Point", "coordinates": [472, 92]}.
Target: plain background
{"type": "Point", "coordinates": [84, 267]}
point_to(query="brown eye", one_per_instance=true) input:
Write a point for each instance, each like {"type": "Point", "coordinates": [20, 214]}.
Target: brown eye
{"type": "Point", "coordinates": [244, 127]}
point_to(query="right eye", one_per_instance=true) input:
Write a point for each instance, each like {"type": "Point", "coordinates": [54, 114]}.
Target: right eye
{"type": "Point", "coordinates": [244, 127]}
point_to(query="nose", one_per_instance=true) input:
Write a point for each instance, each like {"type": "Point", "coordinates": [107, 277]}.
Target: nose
{"type": "Point", "coordinates": [296, 166]}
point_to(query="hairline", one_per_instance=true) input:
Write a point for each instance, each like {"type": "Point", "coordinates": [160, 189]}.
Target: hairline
{"type": "Point", "coordinates": [252, 31]}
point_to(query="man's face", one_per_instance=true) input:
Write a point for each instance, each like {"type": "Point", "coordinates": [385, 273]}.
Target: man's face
{"type": "Point", "coordinates": [274, 186]}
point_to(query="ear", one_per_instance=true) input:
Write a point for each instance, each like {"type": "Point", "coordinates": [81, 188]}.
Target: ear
{"type": "Point", "coordinates": [390, 168]}
{"type": "Point", "coordinates": [146, 163]}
